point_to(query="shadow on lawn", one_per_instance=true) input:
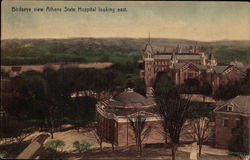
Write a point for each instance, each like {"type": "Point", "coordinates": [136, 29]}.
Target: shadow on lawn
{"type": "Point", "coordinates": [12, 150]}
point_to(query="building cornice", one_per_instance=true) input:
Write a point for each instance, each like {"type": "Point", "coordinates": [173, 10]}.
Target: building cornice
{"type": "Point", "coordinates": [233, 113]}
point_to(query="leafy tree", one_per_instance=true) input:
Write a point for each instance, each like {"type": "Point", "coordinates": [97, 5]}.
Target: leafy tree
{"type": "Point", "coordinates": [190, 85]}
{"type": "Point", "coordinates": [205, 90]}
{"type": "Point", "coordinates": [137, 83]}
{"type": "Point", "coordinates": [227, 91]}
{"type": "Point", "coordinates": [164, 85]}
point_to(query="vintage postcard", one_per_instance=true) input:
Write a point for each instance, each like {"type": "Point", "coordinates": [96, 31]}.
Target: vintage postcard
{"type": "Point", "coordinates": [125, 80]}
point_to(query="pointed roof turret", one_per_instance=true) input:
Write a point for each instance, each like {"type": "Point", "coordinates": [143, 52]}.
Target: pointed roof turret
{"type": "Point", "coordinates": [173, 58]}
{"type": "Point", "coordinates": [211, 56]}
{"type": "Point", "coordinates": [148, 47]}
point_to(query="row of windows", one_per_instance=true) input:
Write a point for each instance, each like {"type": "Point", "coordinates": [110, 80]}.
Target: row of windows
{"type": "Point", "coordinates": [160, 69]}
{"type": "Point", "coordinates": [161, 63]}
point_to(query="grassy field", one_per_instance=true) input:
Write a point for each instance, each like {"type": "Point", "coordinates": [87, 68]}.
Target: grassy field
{"type": "Point", "coordinates": [41, 51]}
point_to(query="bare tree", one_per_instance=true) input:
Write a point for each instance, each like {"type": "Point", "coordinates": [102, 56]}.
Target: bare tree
{"type": "Point", "coordinates": [140, 129]}
{"type": "Point", "coordinates": [201, 131]}
{"type": "Point", "coordinates": [174, 112]}
{"type": "Point", "coordinates": [98, 135]}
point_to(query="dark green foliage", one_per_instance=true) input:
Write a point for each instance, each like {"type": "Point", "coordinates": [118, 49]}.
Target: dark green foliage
{"type": "Point", "coordinates": [41, 51]}
{"type": "Point", "coordinates": [190, 86]}
{"type": "Point", "coordinates": [82, 110]}
{"type": "Point", "coordinates": [54, 144]}
{"type": "Point", "coordinates": [43, 100]}
{"type": "Point", "coordinates": [16, 129]}
{"type": "Point", "coordinates": [200, 109]}
{"type": "Point", "coordinates": [163, 85]}
{"type": "Point", "coordinates": [81, 147]}
{"type": "Point", "coordinates": [232, 90]}
{"type": "Point", "coordinates": [51, 51]}
{"type": "Point", "coordinates": [226, 54]}
{"type": "Point", "coordinates": [12, 150]}
{"type": "Point", "coordinates": [133, 81]}
{"type": "Point", "coordinates": [240, 140]}
{"type": "Point", "coordinates": [206, 89]}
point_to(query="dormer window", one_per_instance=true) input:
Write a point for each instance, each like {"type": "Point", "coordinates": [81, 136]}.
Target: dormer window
{"type": "Point", "coordinates": [229, 108]}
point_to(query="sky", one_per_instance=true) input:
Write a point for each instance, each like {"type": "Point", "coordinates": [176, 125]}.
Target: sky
{"type": "Point", "coordinates": [202, 21]}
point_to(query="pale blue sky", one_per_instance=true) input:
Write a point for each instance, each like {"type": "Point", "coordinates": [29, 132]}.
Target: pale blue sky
{"type": "Point", "coordinates": [205, 21]}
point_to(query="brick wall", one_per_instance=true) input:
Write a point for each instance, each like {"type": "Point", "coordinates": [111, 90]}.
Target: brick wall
{"type": "Point", "coordinates": [223, 134]}
{"type": "Point", "coordinates": [126, 134]}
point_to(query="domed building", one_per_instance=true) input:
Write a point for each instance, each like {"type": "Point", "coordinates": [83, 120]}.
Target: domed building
{"type": "Point", "coordinates": [113, 116]}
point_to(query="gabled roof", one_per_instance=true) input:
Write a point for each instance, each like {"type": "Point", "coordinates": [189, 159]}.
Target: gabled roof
{"type": "Point", "coordinates": [182, 65]}
{"type": "Point", "coordinates": [240, 104]}
{"type": "Point", "coordinates": [221, 69]}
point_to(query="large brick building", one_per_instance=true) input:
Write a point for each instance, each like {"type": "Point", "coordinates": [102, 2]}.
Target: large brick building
{"type": "Point", "coordinates": [193, 64]}
{"type": "Point", "coordinates": [113, 116]}
{"type": "Point", "coordinates": [234, 113]}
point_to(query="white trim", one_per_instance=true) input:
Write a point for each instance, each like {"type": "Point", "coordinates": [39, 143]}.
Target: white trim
{"type": "Point", "coordinates": [233, 113]}
{"type": "Point", "coordinates": [148, 59]}
{"type": "Point", "coordinates": [231, 107]}
{"type": "Point", "coordinates": [118, 119]}
{"type": "Point", "coordinates": [148, 119]}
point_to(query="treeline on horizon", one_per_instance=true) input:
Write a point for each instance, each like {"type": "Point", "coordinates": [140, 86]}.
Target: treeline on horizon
{"type": "Point", "coordinates": [120, 50]}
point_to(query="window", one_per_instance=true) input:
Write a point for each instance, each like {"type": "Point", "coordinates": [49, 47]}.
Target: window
{"type": "Point", "coordinates": [225, 122]}
{"type": "Point", "coordinates": [238, 123]}
{"type": "Point", "coordinates": [190, 75]}
{"type": "Point", "coordinates": [230, 108]}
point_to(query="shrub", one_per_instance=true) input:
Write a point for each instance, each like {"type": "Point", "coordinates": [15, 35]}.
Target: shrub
{"type": "Point", "coordinates": [81, 147]}
{"type": "Point", "coordinates": [240, 140]}
{"type": "Point", "coordinates": [54, 144]}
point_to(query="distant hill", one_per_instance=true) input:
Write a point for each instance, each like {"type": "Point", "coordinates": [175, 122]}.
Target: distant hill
{"type": "Point", "coordinates": [41, 51]}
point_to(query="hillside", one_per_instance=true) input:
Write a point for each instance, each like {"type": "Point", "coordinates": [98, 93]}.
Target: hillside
{"type": "Point", "coordinates": [41, 51]}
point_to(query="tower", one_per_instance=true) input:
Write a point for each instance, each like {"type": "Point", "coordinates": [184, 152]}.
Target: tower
{"type": "Point", "coordinates": [203, 58]}
{"type": "Point", "coordinates": [211, 60]}
{"type": "Point", "coordinates": [195, 49]}
{"type": "Point", "coordinates": [178, 49]}
{"type": "Point", "coordinates": [173, 59]}
{"type": "Point", "coordinates": [148, 59]}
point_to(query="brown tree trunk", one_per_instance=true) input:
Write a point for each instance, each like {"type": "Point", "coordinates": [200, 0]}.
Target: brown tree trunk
{"type": "Point", "coordinates": [113, 148]}
{"type": "Point", "coordinates": [51, 133]}
{"type": "Point", "coordinates": [101, 145]}
{"type": "Point", "coordinates": [174, 149]}
{"type": "Point", "coordinates": [52, 129]}
{"type": "Point", "coordinates": [139, 145]}
{"type": "Point", "coordinates": [200, 147]}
